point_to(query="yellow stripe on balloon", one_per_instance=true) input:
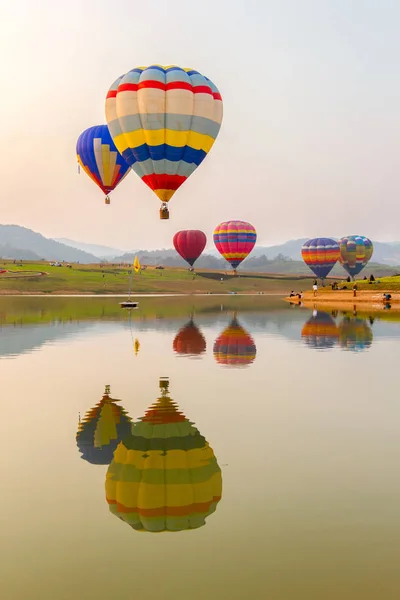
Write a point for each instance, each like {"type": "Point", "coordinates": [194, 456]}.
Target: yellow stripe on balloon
{"type": "Point", "coordinates": [164, 195]}
{"type": "Point", "coordinates": [175, 459]}
{"type": "Point", "coordinates": [179, 139]}
{"type": "Point", "coordinates": [105, 155]}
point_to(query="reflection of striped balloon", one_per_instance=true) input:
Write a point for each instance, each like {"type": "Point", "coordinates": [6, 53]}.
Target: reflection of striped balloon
{"type": "Point", "coordinates": [355, 334]}
{"type": "Point", "coordinates": [320, 331]}
{"type": "Point", "coordinates": [164, 121]}
{"type": "Point", "coordinates": [101, 430]}
{"type": "Point", "coordinates": [189, 340]}
{"type": "Point", "coordinates": [235, 347]}
{"type": "Point", "coordinates": [355, 252]}
{"type": "Point", "coordinates": [164, 476]}
{"type": "Point", "coordinates": [320, 254]}
{"type": "Point", "coordinates": [235, 240]}
{"type": "Point", "coordinates": [99, 158]}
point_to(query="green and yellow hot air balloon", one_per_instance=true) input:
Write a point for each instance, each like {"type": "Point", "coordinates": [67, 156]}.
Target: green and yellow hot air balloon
{"type": "Point", "coordinates": [164, 476]}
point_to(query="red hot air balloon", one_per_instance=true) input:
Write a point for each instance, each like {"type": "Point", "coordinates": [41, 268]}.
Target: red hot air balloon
{"type": "Point", "coordinates": [189, 340]}
{"type": "Point", "coordinates": [190, 244]}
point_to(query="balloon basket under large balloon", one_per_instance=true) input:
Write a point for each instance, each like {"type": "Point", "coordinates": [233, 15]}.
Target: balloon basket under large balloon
{"type": "Point", "coordinates": [107, 200]}
{"type": "Point", "coordinates": [164, 212]}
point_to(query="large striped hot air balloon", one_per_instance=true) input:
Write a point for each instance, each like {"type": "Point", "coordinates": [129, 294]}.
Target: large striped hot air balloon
{"type": "Point", "coordinates": [235, 240]}
{"type": "Point", "coordinates": [190, 244]}
{"type": "Point", "coordinates": [99, 158]}
{"type": "Point", "coordinates": [355, 334]}
{"type": "Point", "coordinates": [164, 476]}
{"type": "Point", "coordinates": [320, 331]}
{"type": "Point", "coordinates": [101, 430]}
{"type": "Point", "coordinates": [234, 347]}
{"type": "Point", "coordinates": [355, 252]}
{"type": "Point", "coordinates": [189, 340]}
{"type": "Point", "coordinates": [320, 255]}
{"type": "Point", "coordinates": [164, 121]}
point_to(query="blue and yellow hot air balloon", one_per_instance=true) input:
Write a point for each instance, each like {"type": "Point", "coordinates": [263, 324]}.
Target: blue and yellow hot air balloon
{"type": "Point", "coordinates": [101, 430]}
{"type": "Point", "coordinates": [355, 252]}
{"type": "Point", "coordinates": [164, 121]}
{"type": "Point", "coordinates": [164, 476]}
{"type": "Point", "coordinates": [99, 158]}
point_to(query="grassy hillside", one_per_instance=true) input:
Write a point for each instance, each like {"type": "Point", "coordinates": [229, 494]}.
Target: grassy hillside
{"type": "Point", "coordinates": [27, 278]}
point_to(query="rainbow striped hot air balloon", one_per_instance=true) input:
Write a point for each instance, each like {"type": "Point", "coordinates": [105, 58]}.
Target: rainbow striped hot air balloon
{"type": "Point", "coordinates": [235, 240]}
{"type": "Point", "coordinates": [355, 252]}
{"type": "Point", "coordinates": [235, 347]}
{"type": "Point", "coordinates": [320, 331]}
{"type": "Point", "coordinates": [320, 255]}
{"type": "Point", "coordinates": [99, 158]}
{"type": "Point", "coordinates": [164, 476]}
{"type": "Point", "coordinates": [101, 430]}
{"type": "Point", "coordinates": [164, 121]}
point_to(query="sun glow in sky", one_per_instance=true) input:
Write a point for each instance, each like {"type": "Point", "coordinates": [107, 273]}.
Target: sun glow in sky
{"type": "Point", "coordinates": [309, 144]}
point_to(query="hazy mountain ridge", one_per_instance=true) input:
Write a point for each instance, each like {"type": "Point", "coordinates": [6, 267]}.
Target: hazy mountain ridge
{"type": "Point", "coordinates": [95, 249]}
{"type": "Point", "coordinates": [22, 243]}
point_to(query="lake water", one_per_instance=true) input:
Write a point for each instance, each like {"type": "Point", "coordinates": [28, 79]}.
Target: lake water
{"type": "Point", "coordinates": [271, 457]}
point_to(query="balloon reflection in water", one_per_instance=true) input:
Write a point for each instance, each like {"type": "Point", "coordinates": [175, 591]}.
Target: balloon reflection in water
{"type": "Point", "coordinates": [189, 340]}
{"type": "Point", "coordinates": [101, 430]}
{"type": "Point", "coordinates": [320, 331]}
{"type": "Point", "coordinates": [164, 476]}
{"type": "Point", "coordinates": [355, 334]}
{"type": "Point", "coordinates": [235, 347]}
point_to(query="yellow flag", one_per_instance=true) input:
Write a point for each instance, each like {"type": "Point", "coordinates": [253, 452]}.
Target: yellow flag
{"type": "Point", "coordinates": [136, 265]}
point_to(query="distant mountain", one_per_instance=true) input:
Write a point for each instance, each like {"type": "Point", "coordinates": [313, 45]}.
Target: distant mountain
{"type": "Point", "coordinates": [20, 242]}
{"type": "Point", "coordinates": [96, 250]}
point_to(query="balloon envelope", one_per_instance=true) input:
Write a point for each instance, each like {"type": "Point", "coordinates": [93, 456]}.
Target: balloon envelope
{"type": "Point", "coordinates": [100, 159]}
{"type": "Point", "coordinates": [355, 334]}
{"type": "Point", "coordinates": [101, 430]}
{"type": "Point", "coordinates": [190, 244]}
{"type": "Point", "coordinates": [235, 240]}
{"type": "Point", "coordinates": [320, 254]}
{"type": "Point", "coordinates": [164, 476]}
{"type": "Point", "coordinates": [320, 331]}
{"type": "Point", "coordinates": [355, 253]}
{"type": "Point", "coordinates": [189, 341]}
{"type": "Point", "coordinates": [164, 121]}
{"type": "Point", "coordinates": [235, 347]}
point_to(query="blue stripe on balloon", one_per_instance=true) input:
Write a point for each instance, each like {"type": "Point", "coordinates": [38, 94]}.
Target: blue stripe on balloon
{"type": "Point", "coordinates": [165, 151]}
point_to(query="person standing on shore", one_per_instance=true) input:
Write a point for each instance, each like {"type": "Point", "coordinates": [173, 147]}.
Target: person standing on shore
{"type": "Point", "coordinates": [355, 288]}
{"type": "Point", "coordinates": [315, 287]}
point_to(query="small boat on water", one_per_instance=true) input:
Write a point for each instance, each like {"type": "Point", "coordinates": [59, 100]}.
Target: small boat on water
{"type": "Point", "coordinates": [129, 304]}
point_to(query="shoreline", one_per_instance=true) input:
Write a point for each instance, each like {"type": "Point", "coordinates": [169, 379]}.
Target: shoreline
{"type": "Point", "coordinates": [344, 299]}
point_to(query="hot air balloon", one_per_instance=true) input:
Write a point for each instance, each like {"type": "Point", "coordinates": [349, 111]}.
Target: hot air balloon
{"type": "Point", "coordinates": [164, 121]}
{"type": "Point", "coordinates": [189, 340]}
{"type": "Point", "coordinates": [190, 244]}
{"type": "Point", "coordinates": [355, 253]}
{"type": "Point", "coordinates": [320, 254]}
{"type": "Point", "coordinates": [101, 430]}
{"type": "Point", "coordinates": [355, 334]}
{"type": "Point", "coordinates": [99, 158]}
{"type": "Point", "coordinates": [235, 240]}
{"type": "Point", "coordinates": [235, 347]}
{"type": "Point", "coordinates": [320, 331]}
{"type": "Point", "coordinates": [164, 476]}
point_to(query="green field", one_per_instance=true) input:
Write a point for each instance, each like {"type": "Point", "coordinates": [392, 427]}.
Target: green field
{"type": "Point", "coordinates": [92, 279]}
{"type": "Point", "coordinates": [385, 283]}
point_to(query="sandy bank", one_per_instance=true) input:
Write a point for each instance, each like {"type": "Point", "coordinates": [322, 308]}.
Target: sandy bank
{"type": "Point", "coordinates": [344, 299]}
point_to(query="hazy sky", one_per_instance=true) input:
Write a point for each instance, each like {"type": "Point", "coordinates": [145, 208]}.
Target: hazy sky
{"type": "Point", "coordinates": [309, 144]}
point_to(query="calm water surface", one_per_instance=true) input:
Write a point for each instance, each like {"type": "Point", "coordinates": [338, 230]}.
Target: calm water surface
{"type": "Point", "coordinates": [270, 456]}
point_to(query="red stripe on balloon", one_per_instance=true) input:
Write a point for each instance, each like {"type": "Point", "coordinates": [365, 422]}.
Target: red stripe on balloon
{"type": "Point", "coordinates": [163, 182]}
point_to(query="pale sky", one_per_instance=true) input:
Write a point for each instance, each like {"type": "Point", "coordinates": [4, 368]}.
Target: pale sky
{"type": "Point", "coordinates": [309, 144]}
